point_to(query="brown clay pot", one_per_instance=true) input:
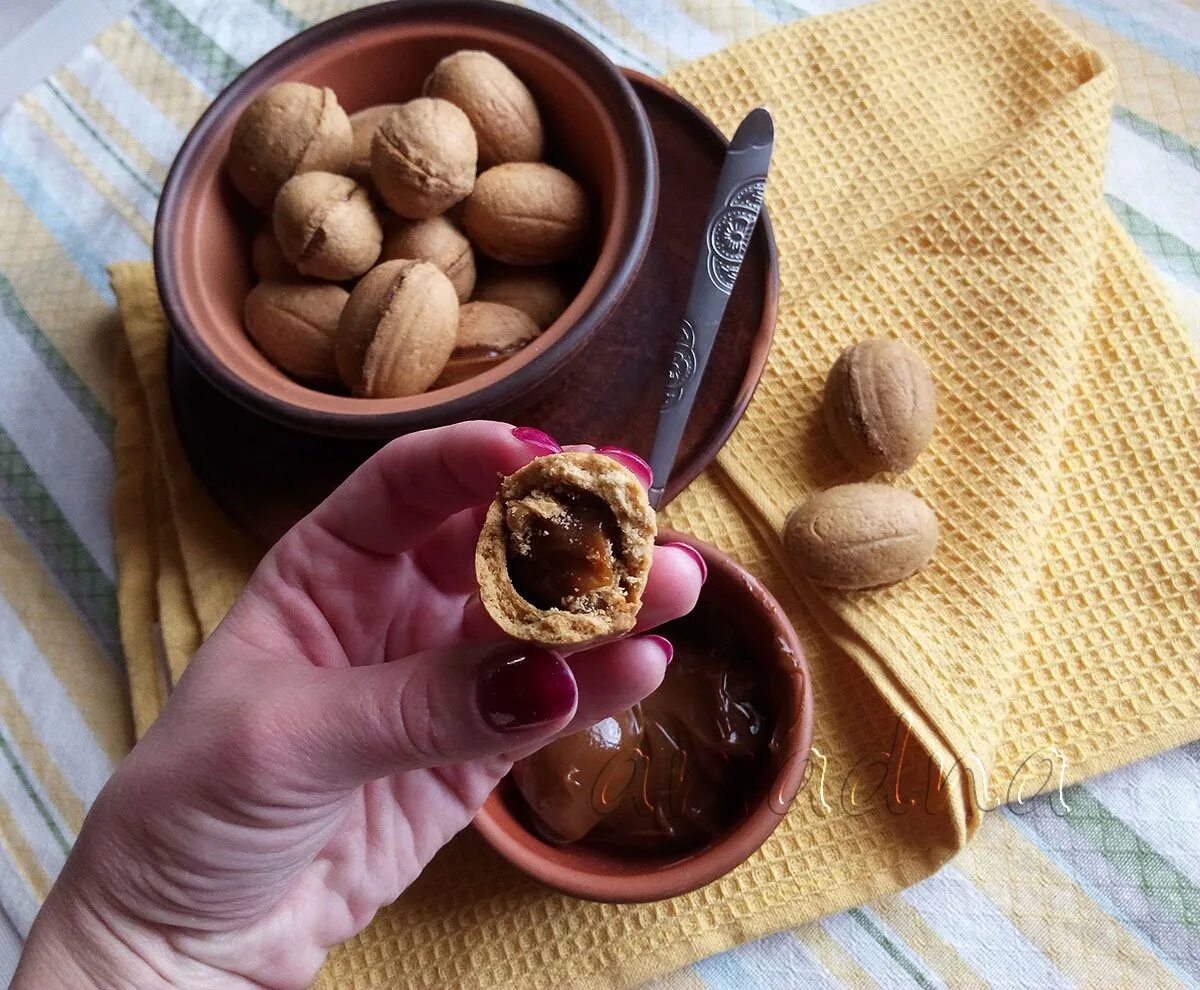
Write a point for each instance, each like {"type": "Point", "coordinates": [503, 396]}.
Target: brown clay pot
{"type": "Point", "coordinates": [602, 874]}
{"type": "Point", "coordinates": [266, 476]}
{"type": "Point", "coordinates": [381, 54]}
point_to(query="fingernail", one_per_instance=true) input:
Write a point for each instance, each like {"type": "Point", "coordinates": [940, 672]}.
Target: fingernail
{"type": "Point", "coordinates": [663, 644]}
{"type": "Point", "coordinates": [695, 555]}
{"type": "Point", "coordinates": [534, 688]}
{"type": "Point", "coordinates": [543, 443]}
{"type": "Point", "coordinates": [631, 461]}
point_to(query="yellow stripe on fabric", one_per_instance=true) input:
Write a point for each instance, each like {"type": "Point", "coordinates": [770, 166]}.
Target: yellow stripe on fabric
{"type": "Point", "coordinates": [180, 100]}
{"type": "Point", "coordinates": [95, 687]}
{"type": "Point", "coordinates": [733, 20]}
{"type": "Point", "coordinates": [72, 315]}
{"type": "Point", "coordinates": [115, 132]}
{"type": "Point", "coordinates": [180, 638]}
{"type": "Point", "coordinates": [39, 762]}
{"type": "Point", "coordinates": [1083, 941]}
{"type": "Point", "coordinates": [218, 557]}
{"type": "Point", "coordinates": [129, 213]}
{"type": "Point", "coordinates": [137, 560]}
{"type": "Point", "coordinates": [22, 854]}
{"type": "Point", "coordinates": [681, 979]}
{"type": "Point", "coordinates": [615, 26]}
{"type": "Point", "coordinates": [1147, 83]}
{"type": "Point", "coordinates": [935, 953]}
{"type": "Point", "coordinates": [836, 960]}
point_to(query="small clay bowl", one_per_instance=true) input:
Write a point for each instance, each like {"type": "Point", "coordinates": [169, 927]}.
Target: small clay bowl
{"type": "Point", "coordinates": [604, 874]}
{"type": "Point", "coordinates": [596, 128]}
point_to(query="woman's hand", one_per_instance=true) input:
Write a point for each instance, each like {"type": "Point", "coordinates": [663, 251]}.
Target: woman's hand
{"type": "Point", "coordinates": [349, 716]}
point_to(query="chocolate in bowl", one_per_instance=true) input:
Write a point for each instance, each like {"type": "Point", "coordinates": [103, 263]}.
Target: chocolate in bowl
{"type": "Point", "coordinates": [673, 772]}
{"type": "Point", "coordinates": [601, 870]}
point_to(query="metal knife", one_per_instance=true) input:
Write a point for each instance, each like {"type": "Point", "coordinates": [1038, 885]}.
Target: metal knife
{"type": "Point", "coordinates": [731, 222]}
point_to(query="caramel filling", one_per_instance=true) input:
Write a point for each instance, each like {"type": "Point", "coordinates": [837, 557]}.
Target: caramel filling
{"type": "Point", "coordinates": [564, 551]}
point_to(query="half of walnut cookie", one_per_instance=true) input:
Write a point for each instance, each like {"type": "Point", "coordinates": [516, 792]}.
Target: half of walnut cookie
{"type": "Point", "coordinates": [565, 550]}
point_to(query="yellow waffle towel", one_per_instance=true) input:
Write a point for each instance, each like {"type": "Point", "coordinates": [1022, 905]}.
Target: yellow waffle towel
{"type": "Point", "coordinates": [937, 178]}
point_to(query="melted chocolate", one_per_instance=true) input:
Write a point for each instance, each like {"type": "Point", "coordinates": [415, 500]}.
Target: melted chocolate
{"type": "Point", "coordinates": [579, 779]}
{"type": "Point", "coordinates": [673, 772]}
{"type": "Point", "coordinates": [561, 558]}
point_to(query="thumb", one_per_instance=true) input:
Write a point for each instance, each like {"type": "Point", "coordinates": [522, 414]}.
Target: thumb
{"type": "Point", "coordinates": [435, 708]}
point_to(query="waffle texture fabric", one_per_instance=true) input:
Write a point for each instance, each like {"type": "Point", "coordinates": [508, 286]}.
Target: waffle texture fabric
{"type": "Point", "coordinates": [937, 178]}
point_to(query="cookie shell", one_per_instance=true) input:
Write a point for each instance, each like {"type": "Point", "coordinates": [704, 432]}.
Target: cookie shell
{"type": "Point", "coordinates": [625, 497]}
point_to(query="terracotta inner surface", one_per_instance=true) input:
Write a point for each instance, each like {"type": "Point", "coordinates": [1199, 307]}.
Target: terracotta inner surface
{"type": "Point", "coordinates": [387, 64]}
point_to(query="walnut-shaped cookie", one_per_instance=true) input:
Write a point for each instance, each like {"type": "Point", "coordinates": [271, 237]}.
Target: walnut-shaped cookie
{"type": "Point", "coordinates": [565, 550]}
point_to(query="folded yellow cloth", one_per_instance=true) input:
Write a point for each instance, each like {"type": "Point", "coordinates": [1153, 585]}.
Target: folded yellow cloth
{"type": "Point", "coordinates": [937, 177]}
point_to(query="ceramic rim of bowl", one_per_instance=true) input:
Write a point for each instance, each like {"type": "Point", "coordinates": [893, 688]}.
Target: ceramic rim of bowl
{"type": "Point", "coordinates": [620, 252]}
{"type": "Point", "coordinates": [637, 879]}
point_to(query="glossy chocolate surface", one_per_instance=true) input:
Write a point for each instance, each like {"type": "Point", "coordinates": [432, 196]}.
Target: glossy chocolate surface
{"type": "Point", "coordinates": [676, 770]}
{"type": "Point", "coordinates": [566, 780]}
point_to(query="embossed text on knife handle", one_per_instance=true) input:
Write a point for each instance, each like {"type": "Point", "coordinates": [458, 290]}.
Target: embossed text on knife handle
{"type": "Point", "coordinates": [683, 365]}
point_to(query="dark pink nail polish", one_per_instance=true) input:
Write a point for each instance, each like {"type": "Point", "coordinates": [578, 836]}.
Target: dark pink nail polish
{"type": "Point", "coordinates": [630, 460]}
{"type": "Point", "coordinates": [543, 443]}
{"type": "Point", "coordinates": [533, 688]}
{"type": "Point", "coordinates": [695, 555]}
{"type": "Point", "coordinates": [663, 644]}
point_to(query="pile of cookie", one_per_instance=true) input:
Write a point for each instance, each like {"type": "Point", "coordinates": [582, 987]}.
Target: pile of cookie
{"type": "Point", "coordinates": [409, 246]}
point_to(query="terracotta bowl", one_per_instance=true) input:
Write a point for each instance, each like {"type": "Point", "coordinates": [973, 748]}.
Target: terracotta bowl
{"type": "Point", "coordinates": [607, 875]}
{"type": "Point", "coordinates": [597, 131]}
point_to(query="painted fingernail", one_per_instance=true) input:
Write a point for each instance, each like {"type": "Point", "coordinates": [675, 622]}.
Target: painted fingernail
{"type": "Point", "coordinates": [695, 555]}
{"type": "Point", "coordinates": [543, 443]}
{"type": "Point", "coordinates": [663, 644]}
{"type": "Point", "coordinates": [533, 688]}
{"type": "Point", "coordinates": [631, 461]}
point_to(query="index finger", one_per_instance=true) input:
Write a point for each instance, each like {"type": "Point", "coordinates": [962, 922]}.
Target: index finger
{"type": "Point", "coordinates": [417, 482]}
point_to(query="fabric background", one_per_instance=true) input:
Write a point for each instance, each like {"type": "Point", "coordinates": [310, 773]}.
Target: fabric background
{"type": "Point", "coordinates": [1100, 892]}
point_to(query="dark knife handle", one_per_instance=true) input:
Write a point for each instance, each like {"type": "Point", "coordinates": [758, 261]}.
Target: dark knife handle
{"type": "Point", "coordinates": [727, 232]}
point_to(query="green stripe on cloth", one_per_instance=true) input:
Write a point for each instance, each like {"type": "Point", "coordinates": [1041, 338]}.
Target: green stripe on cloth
{"type": "Point", "coordinates": [1112, 865]}
{"type": "Point", "coordinates": [1165, 249]}
{"type": "Point", "coordinates": [890, 947]}
{"type": "Point", "coordinates": [186, 45]}
{"type": "Point", "coordinates": [1128, 852]}
{"type": "Point", "coordinates": [35, 513]}
{"type": "Point", "coordinates": [1170, 142]}
{"type": "Point", "coordinates": [72, 385]}
{"type": "Point", "coordinates": [87, 256]}
{"type": "Point", "coordinates": [27, 786]}
{"type": "Point", "coordinates": [281, 13]}
{"type": "Point", "coordinates": [115, 153]}
{"type": "Point", "coordinates": [1098, 849]}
